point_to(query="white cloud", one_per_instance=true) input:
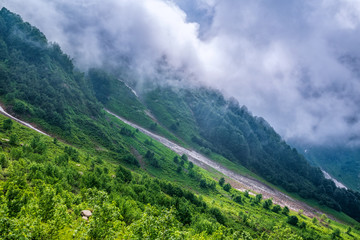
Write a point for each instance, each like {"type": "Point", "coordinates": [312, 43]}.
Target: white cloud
{"type": "Point", "coordinates": [292, 62]}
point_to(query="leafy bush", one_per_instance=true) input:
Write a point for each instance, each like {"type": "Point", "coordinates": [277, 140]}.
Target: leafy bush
{"type": "Point", "coordinates": [221, 181]}
{"type": "Point", "coordinates": [14, 139]}
{"type": "Point", "coordinates": [276, 209]}
{"type": "Point", "coordinates": [237, 199]}
{"type": "Point", "coordinates": [218, 215]}
{"type": "Point", "coordinates": [302, 225]}
{"type": "Point", "coordinates": [258, 198]}
{"type": "Point", "coordinates": [293, 220]}
{"type": "Point", "coordinates": [227, 187]}
{"type": "Point", "coordinates": [203, 183]}
{"type": "Point", "coordinates": [123, 174]}
{"type": "Point", "coordinates": [184, 157]}
{"type": "Point", "coordinates": [130, 159]}
{"type": "Point", "coordinates": [267, 204]}
{"type": "Point", "coordinates": [3, 161]}
{"type": "Point", "coordinates": [7, 124]}
{"type": "Point", "coordinates": [286, 211]}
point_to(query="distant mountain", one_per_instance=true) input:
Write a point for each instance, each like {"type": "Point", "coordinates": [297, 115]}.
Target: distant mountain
{"type": "Point", "coordinates": [343, 163]}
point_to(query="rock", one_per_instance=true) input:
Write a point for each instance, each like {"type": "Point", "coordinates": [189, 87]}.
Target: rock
{"type": "Point", "coordinates": [85, 218]}
{"type": "Point", "coordinates": [78, 165]}
{"type": "Point", "coordinates": [86, 213]}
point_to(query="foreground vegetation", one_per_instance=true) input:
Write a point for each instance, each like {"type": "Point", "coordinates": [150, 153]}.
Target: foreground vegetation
{"type": "Point", "coordinates": [46, 184]}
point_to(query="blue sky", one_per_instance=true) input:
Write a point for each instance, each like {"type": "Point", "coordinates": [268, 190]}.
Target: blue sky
{"type": "Point", "coordinates": [295, 63]}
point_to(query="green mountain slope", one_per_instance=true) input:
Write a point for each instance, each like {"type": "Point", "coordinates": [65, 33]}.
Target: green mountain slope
{"type": "Point", "coordinates": [204, 119]}
{"type": "Point", "coordinates": [39, 83]}
{"type": "Point", "coordinates": [134, 186]}
{"type": "Point", "coordinates": [343, 163]}
{"type": "Point", "coordinates": [46, 184]}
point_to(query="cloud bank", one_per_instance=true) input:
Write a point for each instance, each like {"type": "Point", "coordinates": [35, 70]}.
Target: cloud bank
{"type": "Point", "coordinates": [295, 63]}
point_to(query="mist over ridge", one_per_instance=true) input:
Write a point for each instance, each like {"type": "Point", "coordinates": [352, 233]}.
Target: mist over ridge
{"type": "Point", "coordinates": [294, 63]}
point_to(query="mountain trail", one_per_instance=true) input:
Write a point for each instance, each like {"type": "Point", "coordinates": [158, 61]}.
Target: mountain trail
{"type": "Point", "coordinates": [237, 181]}
{"type": "Point", "coordinates": [3, 112]}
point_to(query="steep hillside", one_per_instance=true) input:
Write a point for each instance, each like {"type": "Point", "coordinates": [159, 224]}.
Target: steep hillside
{"type": "Point", "coordinates": [134, 187]}
{"type": "Point", "coordinates": [47, 184]}
{"type": "Point", "coordinates": [343, 163]}
{"type": "Point", "coordinates": [39, 83]}
{"type": "Point", "coordinates": [204, 119]}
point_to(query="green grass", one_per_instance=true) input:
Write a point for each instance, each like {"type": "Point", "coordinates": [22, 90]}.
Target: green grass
{"type": "Point", "coordinates": [247, 216]}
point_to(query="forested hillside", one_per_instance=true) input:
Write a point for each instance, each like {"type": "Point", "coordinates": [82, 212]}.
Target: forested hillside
{"type": "Point", "coordinates": [46, 184]}
{"type": "Point", "coordinates": [337, 161]}
{"type": "Point", "coordinates": [134, 187]}
{"type": "Point", "coordinates": [39, 83]}
{"type": "Point", "coordinates": [204, 119]}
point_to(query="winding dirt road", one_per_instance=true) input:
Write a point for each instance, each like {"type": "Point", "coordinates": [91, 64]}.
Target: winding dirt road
{"type": "Point", "coordinates": [238, 181]}
{"type": "Point", "coordinates": [3, 112]}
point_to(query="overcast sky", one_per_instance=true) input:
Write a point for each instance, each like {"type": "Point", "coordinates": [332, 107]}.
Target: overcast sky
{"type": "Point", "coordinates": [294, 62]}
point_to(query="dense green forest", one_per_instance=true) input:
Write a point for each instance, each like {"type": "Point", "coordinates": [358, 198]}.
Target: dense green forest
{"type": "Point", "coordinates": [230, 130]}
{"type": "Point", "coordinates": [204, 119]}
{"type": "Point", "coordinates": [134, 186]}
{"type": "Point", "coordinates": [336, 161]}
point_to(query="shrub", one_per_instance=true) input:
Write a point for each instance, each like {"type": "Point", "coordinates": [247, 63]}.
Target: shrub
{"type": "Point", "coordinates": [258, 198]}
{"type": "Point", "coordinates": [7, 124]}
{"type": "Point", "coordinates": [285, 211]}
{"type": "Point", "coordinates": [276, 209]}
{"type": "Point", "coordinates": [335, 234]}
{"type": "Point", "coordinates": [221, 181]}
{"type": "Point", "coordinates": [16, 153]}
{"type": "Point", "coordinates": [218, 215]}
{"type": "Point", "coordinates": [130, 159]}
{"type": "Point", "coordinates": [3, 161]}
{"type": "Point", "coordinates": [14, 139]}
{"type": "Point", "coordinates": [149, 142]}
{"type": "Point", "coordinates": [267, 204]}
{"type": "Point", "coordinates": [191, 165]}
{"type": "Point", "coordinates": [203, 183]}
{"type": "Point", "coordinates": [303, 225]}
{"type": "Point", "coordinates": [237, 199]}
{"type": "Point", "coordinates": [246, 194]}
{"type": "Point", "coordinates": [184, 157]}
{"type": "Point", "coordinates": [293, 220]}
{"type": "Point", "coordinates": [123, 174]}
{"type": "Point", "coordinates": [227, 187]}
{"type": "Point", "coordinates": [126, 132]}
